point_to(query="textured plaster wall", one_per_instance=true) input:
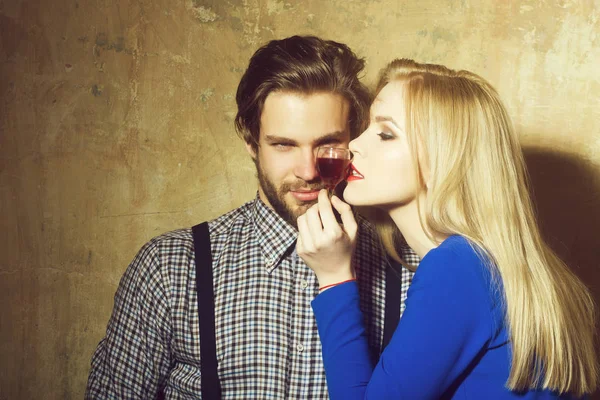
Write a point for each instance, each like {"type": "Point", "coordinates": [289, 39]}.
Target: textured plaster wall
{"type": "Point", "coordinates": [116, 124]}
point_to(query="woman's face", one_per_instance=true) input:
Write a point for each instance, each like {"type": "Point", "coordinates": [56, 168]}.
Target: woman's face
{"type": "Point", "coordinates": [383, 168]}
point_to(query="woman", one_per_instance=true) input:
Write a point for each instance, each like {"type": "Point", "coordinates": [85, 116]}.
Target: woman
{"type": "Point", "coordinates": [492, 313]}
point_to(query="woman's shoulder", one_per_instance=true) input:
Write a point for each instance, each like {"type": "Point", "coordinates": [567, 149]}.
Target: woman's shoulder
{"type": "Point", "coordinates": [457, 260]}
{"type": "Point", "coordinates": [459, 245]}
{"type": "Point", "coordinates": [455, 252]}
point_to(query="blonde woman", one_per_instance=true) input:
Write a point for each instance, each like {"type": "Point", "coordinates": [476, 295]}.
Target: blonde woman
{"type": "Point", "coordinates": [492, 313]}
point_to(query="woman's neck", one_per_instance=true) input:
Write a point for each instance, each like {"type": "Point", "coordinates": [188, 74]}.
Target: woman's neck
{"type": "Point", "coordinates": [406, 218]}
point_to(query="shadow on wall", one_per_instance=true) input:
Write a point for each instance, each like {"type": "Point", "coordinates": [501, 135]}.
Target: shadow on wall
{"type": "Point", "coordinates": [566, 193]}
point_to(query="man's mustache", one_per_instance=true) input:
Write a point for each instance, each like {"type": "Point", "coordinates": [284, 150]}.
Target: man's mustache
{"type": "Point", "coordinates": [302, 185]}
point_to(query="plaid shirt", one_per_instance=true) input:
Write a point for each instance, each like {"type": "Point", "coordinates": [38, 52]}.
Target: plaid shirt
{"type": "Point", "coordinates": [266, 336]}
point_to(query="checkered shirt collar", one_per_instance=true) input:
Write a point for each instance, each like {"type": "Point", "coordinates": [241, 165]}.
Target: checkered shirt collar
{"type": "Point", "coordinates": [275, 236]}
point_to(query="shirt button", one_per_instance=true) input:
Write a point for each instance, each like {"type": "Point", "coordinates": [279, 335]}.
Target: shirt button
{"type": "Point", "coordinates": [304, 284]}
{"type": "Point", "coordinates": [300, 348]}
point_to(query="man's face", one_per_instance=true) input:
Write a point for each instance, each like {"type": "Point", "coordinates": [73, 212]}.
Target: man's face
{"type": "Point", "coordinates": [292, 127]}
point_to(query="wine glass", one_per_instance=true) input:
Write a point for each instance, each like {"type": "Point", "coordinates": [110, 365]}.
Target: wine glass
{"type": "Point", "coordinates": [332, 164]}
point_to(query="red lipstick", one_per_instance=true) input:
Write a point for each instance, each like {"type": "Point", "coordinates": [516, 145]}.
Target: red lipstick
{"type": "Point", "coordinates": [355, 175]}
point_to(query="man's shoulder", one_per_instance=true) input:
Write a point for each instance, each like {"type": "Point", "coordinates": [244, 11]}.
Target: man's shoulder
{"type": "Point", "coordinates": [223, 224]}
{"type": "Point", "coordinates": [165, 252]}
{"type": "Point", "coordinates": [174, 243]}
{"type": "Point", "coordinates": [179, 238]}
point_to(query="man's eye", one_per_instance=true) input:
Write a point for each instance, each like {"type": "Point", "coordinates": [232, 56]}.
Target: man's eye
{"type": "Point", "coordinates": [281, 145]}
{"type": "Point", "coordinates": [385, 136]}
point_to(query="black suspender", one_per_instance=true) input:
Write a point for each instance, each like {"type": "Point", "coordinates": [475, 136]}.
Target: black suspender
{"type": "Point", "coordinates": [211, 388]}
{"type": "Point", "coordinates": [393, 289]}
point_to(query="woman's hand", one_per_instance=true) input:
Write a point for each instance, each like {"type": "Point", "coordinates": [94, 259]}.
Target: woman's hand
{"type": "Point", "coordinates": [325, 245]}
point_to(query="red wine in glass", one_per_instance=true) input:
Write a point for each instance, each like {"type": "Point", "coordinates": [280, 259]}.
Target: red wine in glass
{"type": "Point", "coordinates": [332, 170]}
{"type": "Point", "coordinates": [332, 163]}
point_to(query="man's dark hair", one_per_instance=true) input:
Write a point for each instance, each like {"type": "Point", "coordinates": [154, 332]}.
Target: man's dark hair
{"type": "Point", "coordinates": [300, 64]}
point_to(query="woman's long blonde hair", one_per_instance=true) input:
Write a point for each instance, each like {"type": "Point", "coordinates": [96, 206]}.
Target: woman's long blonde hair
{"type": "Point", "coordinates": [477, 187]}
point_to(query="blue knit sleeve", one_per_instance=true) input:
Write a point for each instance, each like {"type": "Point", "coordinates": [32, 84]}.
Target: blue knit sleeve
{"type": "Point", "coordinates": [446, 327]}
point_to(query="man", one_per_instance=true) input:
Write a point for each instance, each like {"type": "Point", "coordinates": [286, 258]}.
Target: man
{"type": "Point", "coordinates": [260, 340]}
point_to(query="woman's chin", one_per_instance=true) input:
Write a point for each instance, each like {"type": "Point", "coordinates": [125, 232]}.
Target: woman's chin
{"type": "Point", "coordinates": [353, 197]}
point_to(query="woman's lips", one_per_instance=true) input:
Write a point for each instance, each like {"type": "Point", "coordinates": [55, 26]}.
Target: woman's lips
{"type": "Point", "coordinates": [354, 174]}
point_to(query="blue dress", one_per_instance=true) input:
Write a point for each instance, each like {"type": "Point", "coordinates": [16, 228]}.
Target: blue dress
{"type": "Point", "coordinates": [451, 343]}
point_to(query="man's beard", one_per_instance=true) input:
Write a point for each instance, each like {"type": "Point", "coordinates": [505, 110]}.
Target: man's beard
{"type": "Point", "coordinates": [276, 196]}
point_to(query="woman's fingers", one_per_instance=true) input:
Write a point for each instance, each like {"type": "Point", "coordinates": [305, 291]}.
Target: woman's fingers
{"type": "Point", "coordinates": [322, 243]}
{"type": "Point", "coordinates": [330, 224]}
{"type": "Point", "coordinates": [350, 226]}
{"type": "Point", "coordinates": [304, 236]}
{"type": "Point", "coordinates": [299, 245]}
{"type": "Point", "coordinates": [318, 229]}
{"type": "Point", "coordinates": [313, 221]}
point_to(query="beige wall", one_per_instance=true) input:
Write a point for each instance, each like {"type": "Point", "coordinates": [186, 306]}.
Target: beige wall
{"type": "Point", "coordinates": [116, 125]}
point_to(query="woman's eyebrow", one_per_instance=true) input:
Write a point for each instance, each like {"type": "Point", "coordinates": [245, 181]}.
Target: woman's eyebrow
{"type": "Point", "coordinates": [383, 118]}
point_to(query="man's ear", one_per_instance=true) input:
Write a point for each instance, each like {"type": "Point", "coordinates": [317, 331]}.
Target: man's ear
{"type": "Point", "coordinates": [251, 150]}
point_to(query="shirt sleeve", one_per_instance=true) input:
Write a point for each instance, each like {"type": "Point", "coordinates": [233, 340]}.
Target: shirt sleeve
{"type": "Point", "coordinates": [132, 360]}
{"type": "Point", "coordinates": [445, 329]}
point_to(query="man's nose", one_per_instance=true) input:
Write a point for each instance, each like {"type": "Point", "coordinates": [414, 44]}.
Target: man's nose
{"type": "Point", "coordinates": [306, 166]}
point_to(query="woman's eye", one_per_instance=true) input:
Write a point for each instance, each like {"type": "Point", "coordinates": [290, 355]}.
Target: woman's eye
{"type": "Point", "coordinates": [385, 136]}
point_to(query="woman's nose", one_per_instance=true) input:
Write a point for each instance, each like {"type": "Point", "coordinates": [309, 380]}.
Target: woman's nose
{"type": "Point", "coordinates": [354, 147]}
